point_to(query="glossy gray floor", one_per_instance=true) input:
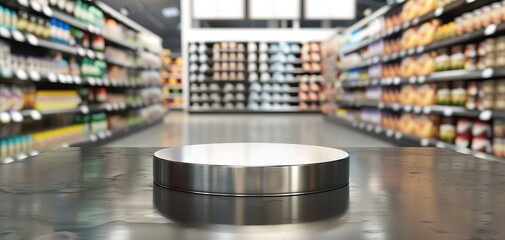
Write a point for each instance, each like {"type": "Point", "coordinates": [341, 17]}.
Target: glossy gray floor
{"type": "Point", "coordinates": [183, 129]}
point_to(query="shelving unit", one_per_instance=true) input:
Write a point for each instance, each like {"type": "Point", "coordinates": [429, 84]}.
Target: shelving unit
{"type": "Point", "coordinates": [403, 139]}
{"type": "Point", "coordinates": [385, 76]}
{"type": "Point", "coordinates": [173, 86]}
{"type": "Point", "coordinates": [114, 100]}
{"type": "Point", "coordinates": [259, 71]}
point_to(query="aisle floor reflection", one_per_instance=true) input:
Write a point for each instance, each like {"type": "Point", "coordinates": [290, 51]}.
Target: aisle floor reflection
{"type": "Point", "coordinates": [182, 129]}
{"type": "Point", "coordinates": [393, 193]}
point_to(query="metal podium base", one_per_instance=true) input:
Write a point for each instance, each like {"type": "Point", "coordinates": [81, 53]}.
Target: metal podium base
{"type": "Point", "coordinates": [251, 169]}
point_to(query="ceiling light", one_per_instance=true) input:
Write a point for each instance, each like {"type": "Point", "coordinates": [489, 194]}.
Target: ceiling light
{"type": "Point", "coordinates": [170, 12]}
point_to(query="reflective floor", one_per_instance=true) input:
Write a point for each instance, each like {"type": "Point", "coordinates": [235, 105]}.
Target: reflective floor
{"type": "Point", "coordinates": [394, 193]}
{"type": "Point", "coordinates": [183, 129]}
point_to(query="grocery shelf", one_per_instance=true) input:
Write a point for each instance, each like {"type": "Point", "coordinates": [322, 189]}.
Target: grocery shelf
{"type": "Point", "coordinates": [291, 100]}
{"type": "Point", "coordinates": [38, 42]}
{"type": "Point", "coordinates": [208, 80]}
{"type": "Point", "coordinates": [298, 70]}
{"type": "Point", "coordinates": [254, 111]}
{"type": "Point", "coordinates": [176, 76]}
{"type": "Point", "coordinates": [51, 78]}
{"type": "Point", "coordinates": [173, 86]}
{"type": "Point", "coordinates": [119, 42]}
{"type": "Point", "coordinates": [123, 19]}
{"type": "Point", "coordinates": [280, 51]}
{"type": "Point", "coordinates": [106, 107]}
{"type": "Point", "coordinates": [19, 116]}
{"type": "Point", "coordinates": [443, 76]}
{"type": "Point", "coordinates": [118, 63]}
{"type": "Point", "coordinates": [219, 91]}
{"type": "Point", "coordinates": [210, 61]}
{"type": "Point", "coordinates": [103, 137]}
{"type": "Point", "coordinates": [217, 101]}
{"type": "Point", "coordinates": [284, 62]}
{"type": "Point", "coordinates": [275, 81]}
{"type": "Point", "coordinates": [291, 90]}
{"type": "Point", "coordinates": [445, 110]}
{"type": "Point", "coordinates": [403, 139]}
{"type": "Point", "coordinates": [94, 139]}
{"type": "Point", "coordinates": [225, 70]}
{"type": "Point", "coordinates": [447, 9]}
{"type": "Point", "coordinates": [295, 68]}
{"type": "Point", "coordinates": [490, 30]}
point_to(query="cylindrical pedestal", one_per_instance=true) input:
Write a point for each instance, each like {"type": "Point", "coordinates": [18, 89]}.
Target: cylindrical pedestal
{"type": "Point", "coordinates": [251, 169]}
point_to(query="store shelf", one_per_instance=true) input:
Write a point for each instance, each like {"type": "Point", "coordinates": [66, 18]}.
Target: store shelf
{"type": "Point", "coordinates": [19, 116]}
{"type": "Point", "coordinates": [176, 76]}
{"type": "Point", "coordinates": [403, 139]}
{"type": "Point", "coordinates": [43, 78]}
{"type": "Point", "coordinates": [275, 81]}
{"type": "Point", "coordinates": [280, 51]}
{"type": "Point", "coordinates": [173, 86]}
{"type": "Point", "coordinates": [103, 137]}
{"type": "Point", "coordinates": [292, 90]}
{"type": "Point", "coordinates": [217, 101]}
{"type": "Point", "coordinates": [106, 107]}
{"type": "Point", "coordinates": [284, 62]}
{"type": "Point", "coordinates": [118, 63]}
{"type": "Point", "coordinates": [445, 110]}
{"type": "Point", "coordinates": [219, 81]}
{"type": "Point", "coordinates": [465, 38]}
{"type": "Point", "coordinates": [269, 62]}
{"type": "Point", "coordinates": [227, 70]}
{"type": "Point", "coordinates": [120, 42]}
{"type": "Point", "coordinates": [211, 61]}
{"type": "Point", "coordinates": [219, 91]}
{"type": "Point", "coordinates": [445, 76]}
{"type": "Point", "coordinates": [297, 70]}
{"type": "Point", "coordinates": [291, 100]}
{"type": "Point", "coordinates": [447, 9]}
{"type": "Point", "coordinates": [254, 111]}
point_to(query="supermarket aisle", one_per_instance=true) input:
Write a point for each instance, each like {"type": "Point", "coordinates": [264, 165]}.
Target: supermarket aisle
{"type": "Point", "coordinates": [182, 129]}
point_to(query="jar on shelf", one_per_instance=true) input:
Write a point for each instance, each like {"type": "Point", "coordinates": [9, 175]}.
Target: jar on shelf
{"type": "Point", "coordinates": [468, 25]}
{"type": "Point", "coordinates": [490, 60]}
{"type": "Point", "coordinates": [443, 96]}
{"type": "Point", "coordinates": [457, 58]}
{"type": "Point", "coordinates": [477, 20]}
{"type": "Point", "coordinates": [486, 15]}
{"type": "Point", "coordinates": [500, 59]}
{"type": "Point", "coordinates": [458, 94]}
{"type": "Point", "coordinates": [442, 61]}
{"type": "Point", "coordinates": [447, 130]}
{"type": "Point", "coordinates": [459, 28]}
{"type": "Point", "coordinates": [496, 13]}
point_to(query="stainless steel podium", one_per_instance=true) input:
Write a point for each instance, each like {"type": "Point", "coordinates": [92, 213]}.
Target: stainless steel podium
{"type": "Point", "coordinates": [251, 169]}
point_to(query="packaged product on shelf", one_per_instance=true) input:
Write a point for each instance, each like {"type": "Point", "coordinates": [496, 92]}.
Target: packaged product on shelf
{"type": "Point", "coordinates": [28, 97]}
{"type": "Point", "coordinates": [53, 137]}
{"type": "Point", "coordinates": [426, 126]}
{"type": "Point", "coordinates": [408, 67]}
{"type": "Point", "coordinates": [426, 94]}
{"type": "Point", "coordinates": [443, 94]}
{"type": "Point", "coordinates": [447, 132]}
{"type": "Point", "coordinates": [458, 94]}
{"type": "Point", "coordinates": [498, 138]}
{"type": "Point", "coordinates": [98, 122]}
{"type": "Point", "coordinates": [408, 94]}
{"type": "Point", "coordinates": [56, 99]}
{"type": "Point", "coordinates": [13, 146]}
{"type": "Point", "coordinates": [93, 68]}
